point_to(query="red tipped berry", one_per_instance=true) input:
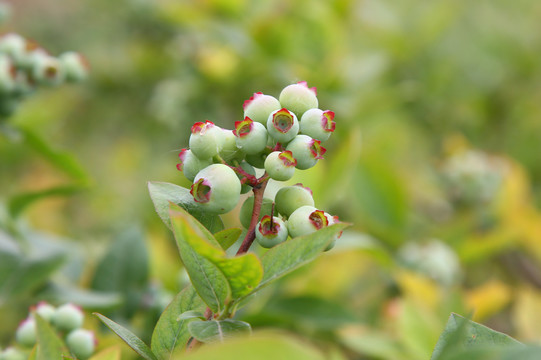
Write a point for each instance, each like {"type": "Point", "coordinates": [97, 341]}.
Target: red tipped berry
{"type": "Point", "coordinates": [81, 343]}
{"type": "Point", "coordinates": [290, 198]}
{"type": "Point", "coordinates": [216, 189]}
{"type": "Point", "coordinates": [190, 164]}
{"type": "Point", "coordinates": [299, 98]}
{"type": "Point", "coordinates": [26, 333]}
{"type": "Point", "coordinates": [282, 125]}
{"type": "Point", "coordinates": [318, 124]}
{"type": "Point", "coordinates": [306, 150]}
{"type": "Point", "coordinates": [68, 317]}
{"type": "Point", "coordinates": [305, 220]}
{"type": "Point", "coordinates": [48, 70]}
{"type": "Point", "coordinates": [75, 65]}
{"type": "Point", "coordinates": [247, 207]}
{"type": "Point", "coordinates": [280, 165]}
{"type": "Point", "coordinates": [45, 310]}
{"type": "Point", "coordinates": [259, 106]}
{"type": "Point", "coordinates": [206, 140]}
{"type": "Point", "coordinates": [251, 136]}
{"type": "Point", "coordinates": [270, 231]}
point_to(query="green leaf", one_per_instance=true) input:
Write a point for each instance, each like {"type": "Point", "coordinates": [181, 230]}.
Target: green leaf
{"type": "Point", "coordinates": [171, 334]}
{"type": "Point", "coordinates": [62, 160]}
{"type": "Point", "coordinates": [129, 338]}
{"type": "Point", "coordinates": [192, 314]}
{"type": "Point", "coordinates": [18, 203]}
{"type": "Point", "coordinates": [49, 344]}
{"type": "Point", "coordinates": [461, 333]}
{"type": "Point", "coordinates": [294, 253]}
{"type": "Point", "coordinates": [124, 269]}
{"type": "Point", "coordinates": [258, 346]}
{"type": "Point", "coordinates": [162, 193]}
{"type": "Point", "coordinates": [227, 237]}
{"type": "Point", "coordinates": [243, 273]}
{"type": "Point", "coordinates": [213, 330]}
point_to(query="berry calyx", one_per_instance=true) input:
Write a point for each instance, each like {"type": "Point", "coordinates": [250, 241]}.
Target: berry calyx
{"type": "Point", "coordinates": [270, 231]}
{"type": "Point", "coordinates": [282, 125]}
{"type": "Point", "coordinates": [280, 165]}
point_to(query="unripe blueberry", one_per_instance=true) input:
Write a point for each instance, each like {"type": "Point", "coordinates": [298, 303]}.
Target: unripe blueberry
{"type": "Point", "coordinates": [68, 317]}
{"type": "Point", "coordinates": [299, 98]}
{"type": "Point", "coordinates": [280, 165]}
{"type": "Point", "coordinates": [290, 198]}
{"type": "Point", "coordinates": [269, 234]}
{"type": "Point", "coordinates": [7, 74]}
{"type": "Point", "coordinates": [318, 124]}
{"type": "Point", "coordinates": [26, 332]}
{"type": "Point", "coordinates": [305, 220]}
{"type": "Point", "coordinates": [247, 208]}
{"type": "Point", "coordinates": [251, 136]}
{"type": "Point", "coordinates": [230, 151]}
{"type": "Point", "coordinates": [216, 189]}
{"type": "Point", "coordinates": [81, 343]}
{"type": "Point", "coordinates": [282, 125]}
{"type": "Point", "coordinates": [45, 310]}
{"type": "Point", "coordinates": [250, 170]}
{"type": "Point", "coordinates": [48, 70]}
{"type": "Point", "coordinates": [75, 65]}
{"type": "Point", "coordinates": [259, 106]}
{"type": "Point", "coordinates": [12, 353]}
{"type": "Point", "coordinates": [13, 45]}
{"type": "Point", "coordinates": [190, 164]}
{"type": "Point", "coordinates": [306, 150]}
{"type": "Point", "coordinates": [206, 139]}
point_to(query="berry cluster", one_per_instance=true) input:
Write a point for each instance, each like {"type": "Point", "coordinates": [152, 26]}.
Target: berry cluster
{"type": "Point", "coordinates": [24, 65]}
{"type": "Point", "coordinates": [277, 135]}
{"type": "Point", "coordinates": [66, 319]}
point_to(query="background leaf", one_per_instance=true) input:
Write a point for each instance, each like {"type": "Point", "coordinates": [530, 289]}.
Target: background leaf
{"type": "Point", "coordinates": [171, 334]}
{"type": "Point", "coordinates": [213, 330]}
{"type": "Point", "coordinates": [129, 338]}
{"type": "Point", "coordinates": [162, 193]}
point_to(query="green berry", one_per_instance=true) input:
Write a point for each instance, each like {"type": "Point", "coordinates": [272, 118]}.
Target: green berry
{"type": "Point", "coordinates": [75, 65]}
{"type": "Point", "coordinates": [318, 124]}
{"type": "Point", "coordinates": [305, 220]}
{"type": "Point", "coordinates": [12, 353]}
{"type": "Point", "coordinates": [290, 198]}
{"type": "Point", "coordinates": [229, 150]}
{"type": "Point", "coordinates": [259, 107]}
{"type": "Point", "coordinates": [68, 317]}
{"type": "Point", "coordinates": [247, 208]}
{"type": "Point", "coordinates": [45, 310]}
{"type": "Point", "coordinates": [299, 98]}
{"type": "Point", "coordinates": [13, 45]}
{"type": "Point", "coordinates": [280, 165]}
{"type": "Point", "coordinates": [26, 333]}
{"type": "Point", "coordinates": [7, 75]}
{"type": "Point", "coordinates": [250, 170]}
{"type": "Point", "coordinates": [48, 70]}
{"type": "Point", "coordinates": [282, 125]}
{"type": "Point", "coordinates": [216, 189]}
{"type": "Point", "coordinates": [250, 136]}
{"type": "Point", "coordinates": [190, 164]}
{"type": "Point", "coordinates": [270, 233]}
{"type": "Point", "coordinates": [306, 150]}
{"type": "Point", "coordinates": [81, 343]}
{"type": "Point", "coordinates": [206, 140]}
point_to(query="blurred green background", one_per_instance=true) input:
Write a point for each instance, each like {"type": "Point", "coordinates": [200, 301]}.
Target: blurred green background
{"type": "Point", "coordinates": [435, 159]}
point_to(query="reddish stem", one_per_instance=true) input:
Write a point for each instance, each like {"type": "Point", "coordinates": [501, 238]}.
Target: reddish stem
{"type": "Point", "coordinates": [259, 190]}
